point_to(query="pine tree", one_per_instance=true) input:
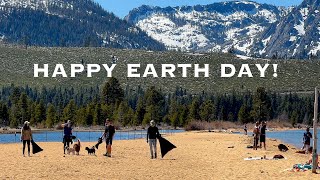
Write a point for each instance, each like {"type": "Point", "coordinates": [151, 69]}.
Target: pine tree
{"type": "Point", "coordinates": [207, 111]}
{"type": "Point", "coordinates": [194, 110]}
{"type": "Point", "coordinates": [51, 116]}
{"type": "Point", "coordinates": [23, 113]}
{"type": "Point", "coordinates": [261, 105]}
{"type": "Point", "coordinates": [40, 112]}
{"type": "Point", "coordinates": [112, 92]}
{"type": "Point", "coordinates": [244, 115]}
{"type": "Point", "coordinates": [140, 112]}
{"type": "Point", "coordinates": [69, 111]}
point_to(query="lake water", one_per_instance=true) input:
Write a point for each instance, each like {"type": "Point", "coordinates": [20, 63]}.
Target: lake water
{"type": "Point", "coordinates": [293, 137]}
{"type": "Point", "coordinates": [87, 136]}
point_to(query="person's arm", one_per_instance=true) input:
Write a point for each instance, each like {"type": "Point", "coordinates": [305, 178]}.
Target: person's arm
{"type": "Point", "coordinates": [147, 135]}
{"type": "Point", "coordinates": [31, 134]}
{"type": "Point", "coordinates": [21, 135]}
{"type": "Point", "coordinates": [158, 134]}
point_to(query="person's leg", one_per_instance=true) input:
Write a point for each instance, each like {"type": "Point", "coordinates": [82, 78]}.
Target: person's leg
{"type": "Point", "coordinates": [109, 147]}
{"type": "Point", "coordinates": [151, 149]}
{"type": "Point", "coordinates": [23, 146]}
{"type": "Point", "coordinates": [155, 148]}
{"type": "Point", "coordinates": [28, 143]}
{"type": "Point", "coordinates": [307, 146]}
{"type": "Point", "coordinates": [64, 145]}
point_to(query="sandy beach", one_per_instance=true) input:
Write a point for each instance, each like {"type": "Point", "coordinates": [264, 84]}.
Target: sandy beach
{"type": "Point", "coordinates": [199, 155]}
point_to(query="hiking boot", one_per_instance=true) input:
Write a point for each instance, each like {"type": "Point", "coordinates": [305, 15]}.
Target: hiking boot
{"type": "Point", "coordinates": [155, 155]}
{"type": "Point", "coordinates": [109, 155]}
{"type": "Point", "coordinates": [106, 154]}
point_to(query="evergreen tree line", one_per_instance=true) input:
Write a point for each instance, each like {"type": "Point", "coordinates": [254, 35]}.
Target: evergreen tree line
{"type": "Point", "coordinates": [135, 107]}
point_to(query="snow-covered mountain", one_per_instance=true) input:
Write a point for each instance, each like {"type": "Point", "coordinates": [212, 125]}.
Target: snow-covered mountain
{"type": "Point", "coordinates": [225, 26]}
{"type": "Point", "coordinates": [68, 23]}
{"type": "Point", "coordinates": [295, 36]}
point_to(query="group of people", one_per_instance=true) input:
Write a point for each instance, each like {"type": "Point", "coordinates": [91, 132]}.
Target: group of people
{"type": "Point", "coordinates": [259, 135]}
{"type": "Point", "coordinates": [108, 134]}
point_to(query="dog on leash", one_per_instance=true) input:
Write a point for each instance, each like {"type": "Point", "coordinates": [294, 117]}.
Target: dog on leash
{"type": "Point", "coordinates": [77, 147]}
{"type": "Point", "coordinates": [70, 150]}
{"type": "Point", "coordinates": [91, 151]}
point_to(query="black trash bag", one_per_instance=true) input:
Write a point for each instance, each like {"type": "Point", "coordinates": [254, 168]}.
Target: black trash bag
{"type": "Point", "coordinates": [283, 148]}
{"type": "Point", "coordinates": [35, 148]}
{"type": "Point", "coordinates": [99, 142]}
{"type": "Point", "coordinates": [165, 146]}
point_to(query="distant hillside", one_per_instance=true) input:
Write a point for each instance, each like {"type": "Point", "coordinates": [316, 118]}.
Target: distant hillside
{"type": "Point", "coordinates": [242, 27]}
{"type": "Point", "coordinates": [68, 23]}
{"type": "Point", "coordinates": [296, 36]}
{"type": "Point", "coordinates": [214, 27]}
{"type": "Point", "coordinates": [17, 67]}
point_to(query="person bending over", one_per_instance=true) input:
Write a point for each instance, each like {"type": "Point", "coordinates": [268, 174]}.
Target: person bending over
{"type": "Point", "coordinates": [67, 133]}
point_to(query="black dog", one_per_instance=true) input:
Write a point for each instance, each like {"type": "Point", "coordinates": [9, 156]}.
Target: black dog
{"type": "Point", "coordinates": [91, 150]}
{"type": "Point", "coordinates": [283, 147]}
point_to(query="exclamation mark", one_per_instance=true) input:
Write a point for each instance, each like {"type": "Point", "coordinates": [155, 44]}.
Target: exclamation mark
{"type": "Point", "coordinates": [275, 67]}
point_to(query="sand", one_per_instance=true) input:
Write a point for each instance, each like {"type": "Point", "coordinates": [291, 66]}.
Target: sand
{"type": "Point", "coordinates": [200, 155]}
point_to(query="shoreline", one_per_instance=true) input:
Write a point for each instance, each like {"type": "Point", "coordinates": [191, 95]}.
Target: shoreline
{"type": "Point", "coordinates": [198, 154]}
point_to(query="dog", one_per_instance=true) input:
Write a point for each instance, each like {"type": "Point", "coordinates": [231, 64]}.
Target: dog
{"type": "Point", "coordinates": [70, 150]}
{"type": "Point", "coordinates": [283, 148]}
{"type": "Point", "coordinates": [91, 150]}
{"type": "Point", "coordinates": [77, 147]}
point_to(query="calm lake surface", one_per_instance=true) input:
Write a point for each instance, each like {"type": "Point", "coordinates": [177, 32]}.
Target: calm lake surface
{"type": "Point", "coordinates": [293, 137]}
{"type": "Point", "coordinates": [85, 136]}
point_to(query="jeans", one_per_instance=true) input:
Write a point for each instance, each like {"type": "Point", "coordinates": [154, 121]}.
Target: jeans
{"type": "Point", "coordinates": [24, 146]}
{"type": "Point", "coordinates": [153, 147]}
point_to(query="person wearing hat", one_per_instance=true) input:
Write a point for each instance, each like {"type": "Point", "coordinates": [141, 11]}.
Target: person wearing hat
{"type": "Point", "coordinates": [67, 133]}
{"type": "Point", "coordinates": [26, 137]}
{"type": "Point", "coordinates": [152, 134]}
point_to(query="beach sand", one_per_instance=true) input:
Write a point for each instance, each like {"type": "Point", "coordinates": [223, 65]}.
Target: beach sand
{"type": "Point", "coordinates": [200, 155]}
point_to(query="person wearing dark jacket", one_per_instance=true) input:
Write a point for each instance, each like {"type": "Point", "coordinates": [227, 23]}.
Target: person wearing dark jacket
{"type": "Point", "coordinates": [67, 133]}
{"type": "Point", "coordinates": [26, 137]}
{"type": "Point", "coordinates": [152, 134]}
{"type": "Point", "coordinates": [108, 136]}
{"type": "Point", "coordinates": [307, 136]}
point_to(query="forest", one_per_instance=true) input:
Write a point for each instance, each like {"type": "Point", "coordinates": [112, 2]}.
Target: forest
{"type": "Point", "coordinates": [47, 108]}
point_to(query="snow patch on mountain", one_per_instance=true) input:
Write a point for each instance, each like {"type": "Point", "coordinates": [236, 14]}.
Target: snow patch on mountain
{"type": "Point", "coordinates": [175, 37]}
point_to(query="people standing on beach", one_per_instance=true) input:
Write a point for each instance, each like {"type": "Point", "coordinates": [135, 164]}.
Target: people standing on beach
{"type": "Point", "coordinates": [245, 129]}
{"type": "Point", "coordinates": [256, 135]}
{"type": "Point", "coordinates": [263, 135]}
{"type": "Point", "coordinates": [108, 136]}
{"type": "Point", "coordinates": [152, 134]}
{"type": "Point", "coordinates": [26, 137]}
{"type": "Point", "coordinates": [67, 133]}
{"type": "Point", "coordinates": [307, 140]}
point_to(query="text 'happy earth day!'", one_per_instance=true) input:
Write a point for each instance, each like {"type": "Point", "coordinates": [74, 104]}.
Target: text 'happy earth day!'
{"type": "Point", "coordinates": [159, 70]}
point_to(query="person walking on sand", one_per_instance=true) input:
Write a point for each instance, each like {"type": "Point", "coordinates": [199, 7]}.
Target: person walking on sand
{"type": "Point", "coordinates": [67, 133]}
{"type": "Point", "coordinates": [26, 137]}
{"type": "Point", "coordinates": [263, 135]}
{"type": "Point", "coordinates": [245, 129]}
{"type": "Point", "coordinates": [152, 134]}
{"type": "Point", "coordinates": [256, 135]}
{"type": "Point", "coordinates": [108, 136]}
{"type": "Point", "coordinates": [307, 140]}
